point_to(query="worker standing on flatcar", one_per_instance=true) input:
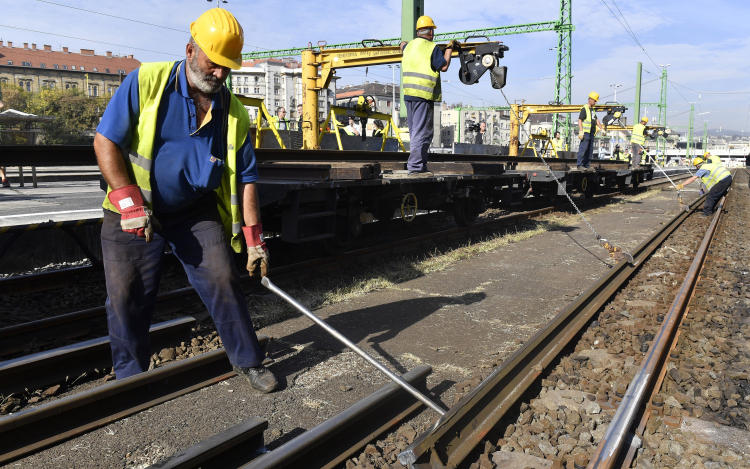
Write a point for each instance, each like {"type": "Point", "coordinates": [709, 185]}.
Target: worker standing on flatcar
{"type": "Point", "coordinates": [587, 124]}
{"type": "Point", "coordinates": [421, 64]}
{"type": "Point", "coordinates": [174, 148]}
{"type": "Point", "coordinates": [715, 177]}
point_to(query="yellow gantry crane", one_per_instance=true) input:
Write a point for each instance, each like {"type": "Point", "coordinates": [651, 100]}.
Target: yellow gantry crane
{"type": "Point", "coordinates": [318, 68]}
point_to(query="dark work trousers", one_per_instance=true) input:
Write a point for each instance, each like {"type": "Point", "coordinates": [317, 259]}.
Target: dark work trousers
{"type": "Point", "coordinates": [420, 116]}
{"type": "Point", "coordinates": [585, 150]}
{"type": "Point", "coordinates": [716, 193]}
{"type": "Point", "coordinates": [133, 270]}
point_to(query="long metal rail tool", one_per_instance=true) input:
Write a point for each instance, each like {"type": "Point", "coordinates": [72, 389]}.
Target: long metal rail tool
{"type": "Point", "coordinates": [370, 359]}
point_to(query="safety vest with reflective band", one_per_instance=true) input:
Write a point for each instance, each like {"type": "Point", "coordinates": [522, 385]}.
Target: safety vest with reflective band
{"type": "Point", "coordinates": [276, 122]}
{"type": "Point", "coordinates": [620, 155]}
{"type": "Point", "coordinates": [713, 159]}
{"type": "Point", "coordinates": [558, 144]}
{"type": "Point", "coordinates": [419, 79]}
{"type": "Point", "coordinates": [152, 81]}
{"type": "Point", "coordinates": [637, 135]}
{"type": "Point", "coordinates": [590, 117]}
{"type": "Point", "coordinates": [717, 173]}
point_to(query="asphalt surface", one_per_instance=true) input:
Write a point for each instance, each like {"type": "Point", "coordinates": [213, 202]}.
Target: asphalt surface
{"type": "Point", "coordinates": [56, 201]}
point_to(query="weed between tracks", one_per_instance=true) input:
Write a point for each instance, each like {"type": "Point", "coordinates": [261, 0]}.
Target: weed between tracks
{"type": "Point", "coordinates": [386, 273]}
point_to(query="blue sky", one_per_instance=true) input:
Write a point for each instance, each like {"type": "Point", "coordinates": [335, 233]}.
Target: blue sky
{"type": "Point", "coordinates": [706, 43]}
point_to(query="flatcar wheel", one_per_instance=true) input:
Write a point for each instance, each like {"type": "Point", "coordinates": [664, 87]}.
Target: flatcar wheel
{"type": "Point", "coordinates": [466, 211]}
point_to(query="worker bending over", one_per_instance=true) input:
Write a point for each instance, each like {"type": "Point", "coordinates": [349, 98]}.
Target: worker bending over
{"type": "Point", "coordinates": [421, 64]}
{"type": "Point", "coordinates": [587, 124]}
{"type": "Point", "coordinates": [715, 177]}
{"type": "Point", "coordinates": [638, 141]}
{"type": "Point", "coordinates": [713, 159]}
{"type": "Point", "coordinates": [174, 148]}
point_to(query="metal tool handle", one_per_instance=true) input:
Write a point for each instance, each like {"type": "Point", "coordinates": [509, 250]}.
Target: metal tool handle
{"type": "Point", "coordinates": [394, 377]}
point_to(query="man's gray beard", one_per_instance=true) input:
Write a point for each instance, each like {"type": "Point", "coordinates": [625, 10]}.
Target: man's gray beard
{"type": "Point", "coordinates": [208, 84]}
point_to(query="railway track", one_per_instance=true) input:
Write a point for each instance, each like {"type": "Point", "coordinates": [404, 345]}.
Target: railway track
{"type": "Point", "coordinates": [187, 375]}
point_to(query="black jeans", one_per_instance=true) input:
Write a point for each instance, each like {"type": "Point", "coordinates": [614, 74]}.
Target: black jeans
{"type": "Point", "coordinates": [716, 193]}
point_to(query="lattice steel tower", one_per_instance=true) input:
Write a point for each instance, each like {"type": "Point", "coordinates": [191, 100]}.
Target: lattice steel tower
{"type": "Point", "coordinates": [563, 76]}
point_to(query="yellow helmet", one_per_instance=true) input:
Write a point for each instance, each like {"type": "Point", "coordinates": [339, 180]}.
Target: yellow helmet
{"type": "Point", "coordinates": [644, 119]}
{"type": "Point", "coordinates": [698, 161]}
{"type": "Point", "coordinates": [220, 36]}
{"type": "Point", "coordinates": [594, 95]}
{"type": "Point", "coordinates": [706, 154]}
{"type": "Point", "coordinates": [425, 22]}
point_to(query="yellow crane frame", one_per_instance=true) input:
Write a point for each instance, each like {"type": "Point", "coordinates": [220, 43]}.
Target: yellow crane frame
{"type": "Point", "coordinates": [541, 137]}
{"type": "Point", "coordinates": [343, 111]}
{"type": "Point", "coordinates": [318, 68]}
{"type": "Point", "coordinates": [258, 102]}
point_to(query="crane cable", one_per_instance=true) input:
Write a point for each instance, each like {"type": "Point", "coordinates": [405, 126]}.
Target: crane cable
{"type": "Point", "coordinates": [615, 252]}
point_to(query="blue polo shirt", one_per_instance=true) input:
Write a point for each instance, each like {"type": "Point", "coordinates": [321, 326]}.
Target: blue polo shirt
{"type": "Point", "coordinates": [188, 160]}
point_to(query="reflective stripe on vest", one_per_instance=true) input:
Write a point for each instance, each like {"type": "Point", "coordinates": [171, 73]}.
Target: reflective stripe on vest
{"type": "Point", "coordinates": [590, 117]}
{"type": "Point", "coordinates": [717, 172]}
{"type": "Point", "coordinates": [419, 79]}
{"type": "Point", "coordinates": [152, 81]}
{"type": "Point", "coordinates": [637, 135]}
{"type": "Point", "coordinates": [558, 144]}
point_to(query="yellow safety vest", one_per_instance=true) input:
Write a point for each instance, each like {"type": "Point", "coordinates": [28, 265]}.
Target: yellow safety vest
{"type": "Point", "coordinates": [348, 130]}
{"type": "Point", "coordinates": [717, 172]}
{"type": "Point", "coordinates": [619, 155]}
{"type": "Point", "coordinates": [558, 144]}
{"type": "Point", "coordinates": [275, 121]}
{"type": "Point", "coordinates": [590, 117]}
{"type": "Point", "coordinates": [152, 80]}
{"type": "Point", "coordinates": [637, 135]}
{"type": "Point", "coordinates": [713, 159]}
{"type": "Point", "coordinates": [420, 80]}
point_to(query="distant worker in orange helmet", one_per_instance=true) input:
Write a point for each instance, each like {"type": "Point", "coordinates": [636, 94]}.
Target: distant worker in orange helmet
{"type": "Point", "coordinates": [174, 148]}
{"type": "Point", "coordinates": [587, 124]}
{"type": "Point", "coordinates": [421, 64]}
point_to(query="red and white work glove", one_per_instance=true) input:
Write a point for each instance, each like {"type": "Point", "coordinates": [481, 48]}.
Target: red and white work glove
{"type": "Point", "coordinates": [136, 218]}
{"type": "Point", "coordinates": [258, 256]}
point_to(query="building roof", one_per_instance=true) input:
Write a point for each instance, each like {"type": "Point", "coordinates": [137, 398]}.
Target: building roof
{"type": "Point", "coordinates": [366, 88]}
{"type": "Point", "coordinates": [286, 62]}
{"type": "Point", "coordinates": [85, 61]}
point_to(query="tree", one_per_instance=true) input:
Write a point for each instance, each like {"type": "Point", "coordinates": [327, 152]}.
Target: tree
{"type": "Point", "coordinates": [76, 115]}
{"type": "Point", "coordinates": [14, 97]}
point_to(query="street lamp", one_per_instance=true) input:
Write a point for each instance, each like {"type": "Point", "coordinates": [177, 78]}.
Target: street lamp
{"type": "Point", "coordinates": [615, 87]}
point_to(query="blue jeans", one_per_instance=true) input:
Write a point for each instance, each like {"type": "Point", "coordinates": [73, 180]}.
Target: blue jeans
{"type": "Point", "coordinates": [133, 271]}
{"type": "Point", "coordinates": [585, 150]}
{"type": "Point", "coordinates": [716, 193]}
{"type": "Point", "coordinates": [420, 116]}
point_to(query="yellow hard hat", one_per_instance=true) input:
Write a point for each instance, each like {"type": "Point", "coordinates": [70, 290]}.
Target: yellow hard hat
{"type": "Point", "coordinates": [425, 22]}
{"type": "Point", "coordinates": [220, 36]}
{"type": "Point", "coordinates": [706, 154]}
{"type": "Point", "coordinates": [594, 95]}
{"type": "Point", "coordinates": [698, 161]}
{"type": "Point", "coordinates": [644, 119]}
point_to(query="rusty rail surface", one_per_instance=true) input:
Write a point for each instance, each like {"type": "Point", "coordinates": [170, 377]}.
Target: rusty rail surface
{"type": "Point", "coordinates": [620, 432]}
{"type": "Point", "coordinates": [456, 434]}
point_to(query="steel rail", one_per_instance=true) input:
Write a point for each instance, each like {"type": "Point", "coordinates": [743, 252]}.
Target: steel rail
{"type": "Point", "coordinates": [455, 435]}
{"type": "Point", "coordinates": [39, 427]}
{"type": "Point", "coordinates": [326, 445]}
{"type": "Point", "coordinates": [619, 432]}
{"type": "Point", "coordinates": [79, 323]}
{"type": "Point", "coordinates": [53, 366]}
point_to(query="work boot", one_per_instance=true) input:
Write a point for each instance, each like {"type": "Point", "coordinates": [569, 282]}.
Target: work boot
{"type": "Point", "coordinates": [259, 377]}
{"type": "Point", "coordinates": [6, 183]}
{"type": "Point", "coordinates": [579, 168]}
{"type": "Point", "coordinates": [413, 173]}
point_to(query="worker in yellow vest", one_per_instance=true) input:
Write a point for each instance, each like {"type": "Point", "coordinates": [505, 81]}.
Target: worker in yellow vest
{"type": "Point", "coordinates": [638, 141]}
{"type": "Point", "coordinates": [587, 124]}
{"type": "Point", "coordinates": [279, 121]}
{"type": "Point", "coordinates": [421, 65]}
{"type": "Point", "coordinates": [713, 159]}
{"type": "Point", "coordinates": [558, 144]}
{"type": "Point", "coordinates": [619, 155]}
{"type": "Point", "coordinates": [715, 177]}
{"type": "Point", "coordinates": [174, 145]}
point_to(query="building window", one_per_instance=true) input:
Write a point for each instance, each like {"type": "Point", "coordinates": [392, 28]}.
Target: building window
{"type": "Point", "coordinates": [10, 62]}
{"type": "Point", "coordinates": [276, 91]}
{"type": "Point", "coordinates": [96, 90]}
{"type": "Point", "coordinates": [276, 103]}
{"type": "Point", "coordinates": [28, 85]}
{"type": "Point", "coordinates": [95, 69]}
{"type": "Point", "coordinates": [83, 69]}
{"type": "Point", "coordinates": [42, 65]}
{"type": "Point", "coordinates": [65, 67]}
{"type": "Point", "coordinates": [257, 90]}
{"type": "Point", "coordinates": [256, 79]}
{"type": "Point", "coordinates": [72, 67]}
{"type": "Point", "coordinates": [276, 80]}
{"type": "Point", "coordinates": [245, 79]}
{"type": "Point", "coordinates": [109, 90]}
{"type": "Point", "coordinates": [26, 64]}
{"type": "Point", "coordinates": [67, 86]}
{"type": "Point", "coordinates": [106, 70]}
{"type": "Point", "coordinates": [57, 67]}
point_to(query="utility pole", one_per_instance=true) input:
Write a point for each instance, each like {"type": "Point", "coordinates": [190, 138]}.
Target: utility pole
{"type": "Point", "coordinates": [563, 75]}
{"type": "Point", "coordinates": [615, 87]}
{"type": "Point", "coordinates": [637, 109]}
{"type": "Point", "coordinates": [663, 105]}
{"type": "Point", "coordinates": [690, 131]}
{"type": "Point", "coordinates": [705, 136]}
